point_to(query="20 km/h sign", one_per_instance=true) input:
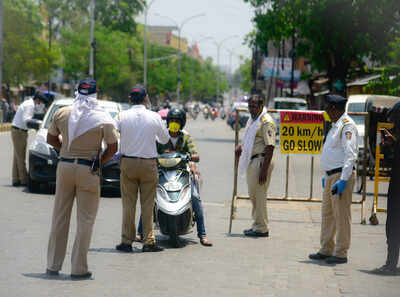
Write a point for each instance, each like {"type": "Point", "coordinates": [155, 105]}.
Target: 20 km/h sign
{"type": "Point", "coordinates": [301, 132]}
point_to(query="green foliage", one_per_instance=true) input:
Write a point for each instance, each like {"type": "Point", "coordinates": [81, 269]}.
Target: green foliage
{"type": "Point", "coordinates": [332, 33]}
{"type": "Point", "coordinates": [243, 76]}
{"type": "Point", "coordinates": [389, 81]}
{"type": "Point", "coordinates": [118, 49]}
{"type": "Point", "coordinates": [26, 54]}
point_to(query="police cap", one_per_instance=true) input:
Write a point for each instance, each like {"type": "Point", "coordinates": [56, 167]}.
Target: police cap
{"type": "Point", "coordinates": [42, 97]}
{"type": "Point", "coordinates": [87, 86]}
{"type": "Point", "coordinates": [336, 99]}
{"type": "Point", "coordinates": [137, 93]}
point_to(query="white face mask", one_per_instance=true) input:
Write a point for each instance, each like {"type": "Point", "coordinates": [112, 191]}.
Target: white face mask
{"type": "Point", "coordinates": [39, 108]}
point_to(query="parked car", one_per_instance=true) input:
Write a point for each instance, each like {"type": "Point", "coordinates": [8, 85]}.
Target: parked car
{"type": "Point", "coordinates": [286, 103]}
{"type": "Point", "coordinates": [43, 158]}
{"type": "Point", "coordinates": [243, 115]}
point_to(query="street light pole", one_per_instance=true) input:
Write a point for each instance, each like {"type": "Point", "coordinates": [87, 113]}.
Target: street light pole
{"type": "Point", "coordinates": [1, 47]}
{"type": "Point", "coordinates": [92, 42]}
{"type": "Point", "coordinates": [219, 44]}
{"type": "Point", "coordinates": [180, 27]}
{"type": "Point", "coordinates": [146, 11]}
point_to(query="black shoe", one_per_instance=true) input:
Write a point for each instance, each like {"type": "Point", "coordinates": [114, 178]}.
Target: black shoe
{"type": "Point", "coordinates": [87, 275]}
{"type": "Point", "coordinates": [336, 260]}
{"type": "Point", "coordinates": [318, 256]}
{"type": "Point", "coordinates": [252, 233]}
{"type": "Point", "coordinates": [51, 272]}
{"type": "Point", "coordinates": [386, 270]}
{"type": "Point", "coordinates": [124, 247]}
{"type": "Point", "coordinates": [16, 184]}
{"type": "Point", "coordinates": [151, 248]}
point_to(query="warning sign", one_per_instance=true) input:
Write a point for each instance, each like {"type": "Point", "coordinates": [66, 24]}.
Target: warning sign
{"type": "Point", "coordinates": [301, 132]}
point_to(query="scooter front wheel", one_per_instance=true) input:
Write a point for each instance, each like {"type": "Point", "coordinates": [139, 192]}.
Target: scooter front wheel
{"type": "Point", "coordinates": [173, 232]}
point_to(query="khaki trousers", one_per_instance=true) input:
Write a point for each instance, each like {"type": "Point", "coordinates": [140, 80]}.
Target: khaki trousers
{"type": "Point", "coordinates": [73, 180]}
{"type": "Point", "coordinates": [258, 194]}
{"type": "Point", "coordinates": [19, 139]}
{"type": "Point", "coordinates": [336, 218]}
{"type": "Point", "coordinates": [138, 176]}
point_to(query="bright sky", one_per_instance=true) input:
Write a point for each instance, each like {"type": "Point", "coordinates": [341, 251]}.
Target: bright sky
{"type": "Point", "coordinates": [223, 18]}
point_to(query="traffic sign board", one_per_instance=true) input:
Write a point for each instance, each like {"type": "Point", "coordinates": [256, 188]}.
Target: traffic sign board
{"type": "Point", "coordinates": [301, 132]}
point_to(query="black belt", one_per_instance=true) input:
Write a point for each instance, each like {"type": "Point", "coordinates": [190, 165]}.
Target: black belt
{"type": "Point", "coordinates": [79, 161]}
{"type": "Point", "coordinates": [133, 157]}
{"type": "Point", "coordinates": [16, 128]}
{"type": "Point", "coordinates": [257, 155]}
{"type": "Point", "coordinates": [333, 171]}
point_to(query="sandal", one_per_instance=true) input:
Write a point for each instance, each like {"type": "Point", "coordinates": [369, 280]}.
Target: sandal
{"type": "Point", "coordinates": [205, 242]}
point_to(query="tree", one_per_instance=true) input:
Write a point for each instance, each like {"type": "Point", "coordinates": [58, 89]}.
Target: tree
{"type": "Point", "coordinates": [332, 33]}
{"type": "Point", "coordinates": [389, 81]}
{"type": "Point", "coordinates": [26, 55]}
{"type": "Point", "coordinates": [242, 77]}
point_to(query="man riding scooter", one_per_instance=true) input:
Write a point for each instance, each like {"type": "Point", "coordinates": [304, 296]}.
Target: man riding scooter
{"type": "Point", "coordinates": [182, 142]}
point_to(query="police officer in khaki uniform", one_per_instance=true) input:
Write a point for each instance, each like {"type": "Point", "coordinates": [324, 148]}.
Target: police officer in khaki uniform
{"type": "Point", "coordinates": [338, 158]}
{"type": "Point", "coordinates": [83, 126]}
{"type": "Point", "coordinates": [19, 136]}
{"type": "Point", "coordinates": [256, 152]}
{"type": "Point", "coordinates": [140, 128]}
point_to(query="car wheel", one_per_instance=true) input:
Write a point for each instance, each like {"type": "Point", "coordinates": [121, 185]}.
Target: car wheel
{"type": "Point", "coordinates": [33, 186]}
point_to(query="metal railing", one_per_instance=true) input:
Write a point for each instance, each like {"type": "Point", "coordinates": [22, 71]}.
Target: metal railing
{"type": "Point", "coordinates": [235, 195]}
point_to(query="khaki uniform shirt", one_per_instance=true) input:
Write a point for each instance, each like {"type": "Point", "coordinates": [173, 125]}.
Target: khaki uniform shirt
{"type": "Point", "coordinates": [265, 135]}
{"type": "Point", "coordinates": [85, 146]}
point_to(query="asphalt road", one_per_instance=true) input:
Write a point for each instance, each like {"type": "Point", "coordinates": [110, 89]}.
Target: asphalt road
{"type": "Point", "coordinates": [235, 266]}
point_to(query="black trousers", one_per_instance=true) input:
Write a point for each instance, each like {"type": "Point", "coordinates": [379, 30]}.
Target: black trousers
{"type": "Point", "coordinates": [393, 229]}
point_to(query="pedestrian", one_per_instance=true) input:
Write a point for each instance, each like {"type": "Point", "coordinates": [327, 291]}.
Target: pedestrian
{"type": "Point", "coordinates": [83, 127]}
{"type": "Point", "coordinates": [140, 129]}
{"type": "Point", "coordinates": [183, 143]}
{"type": "Point", "coordinates": [256, 152]}
{"type": "Point", "coordinates": [338, 158]}
{"type": "Point", "coordinates": [19, 136]}
{"type": "Point", "coordinates": [5, 108]}
{"type": "Point", "coordinates": [392, 139]}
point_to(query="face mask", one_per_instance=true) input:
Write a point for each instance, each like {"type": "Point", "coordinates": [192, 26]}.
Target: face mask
{"type": "Point", "coordinates": [174, 127]}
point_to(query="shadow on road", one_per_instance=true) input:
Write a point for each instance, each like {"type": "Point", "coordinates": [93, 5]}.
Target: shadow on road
{"type": "Point", "coordinates": [316, 262]}
{"type": "Point", "coordinates": [60, 277]}
{"type": "Point", "coordinates": [114, 251]}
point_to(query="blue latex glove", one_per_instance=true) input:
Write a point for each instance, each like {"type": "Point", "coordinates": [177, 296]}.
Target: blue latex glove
{"type": "Point", "coordinates": [117, 156]}
{"type": "Point", "coordinates": [323, 181]}
{"type": "Point", "coordinates": [339, 187]}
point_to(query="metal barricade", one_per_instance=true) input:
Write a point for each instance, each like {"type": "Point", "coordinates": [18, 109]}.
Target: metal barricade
{"type": "Point", "coordinates": [235, 195]}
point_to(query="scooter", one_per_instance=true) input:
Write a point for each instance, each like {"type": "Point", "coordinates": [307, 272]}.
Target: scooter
{"type": "Point", "coordinates": [173, 206]}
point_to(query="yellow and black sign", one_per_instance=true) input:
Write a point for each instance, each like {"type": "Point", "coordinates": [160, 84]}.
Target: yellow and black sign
{"type": "Point", "coordinates": [301, 132]}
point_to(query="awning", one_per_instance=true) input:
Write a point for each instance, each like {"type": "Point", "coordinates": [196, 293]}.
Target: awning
{"type": "Point", "coordinates": [363, 81]}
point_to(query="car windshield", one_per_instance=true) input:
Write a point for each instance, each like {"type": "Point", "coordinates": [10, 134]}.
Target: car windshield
{"type": "Point", "coordinates": [51, 114]}
{"type": "Point", "coordinates": [357, 107]}
{"type": "Point", "coordinates": [112, 111]}
{"type": "Point", "coordinates": [291, 105]}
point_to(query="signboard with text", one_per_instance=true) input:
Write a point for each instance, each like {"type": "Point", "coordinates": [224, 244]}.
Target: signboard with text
{"type": "Point", "coordinates": [301, 132]}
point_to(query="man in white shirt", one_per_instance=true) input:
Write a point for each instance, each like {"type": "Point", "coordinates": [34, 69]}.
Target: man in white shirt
{"type": "Point", "coordinates": [19, 136]}
{"type": "Point", "coordinates": [139, 129]}
{"type": "Point", "coordinates": [338, 158]}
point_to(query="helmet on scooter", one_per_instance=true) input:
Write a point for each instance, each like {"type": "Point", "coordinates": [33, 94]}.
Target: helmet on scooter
{"type": "Point", "coordinates": [177, 114]}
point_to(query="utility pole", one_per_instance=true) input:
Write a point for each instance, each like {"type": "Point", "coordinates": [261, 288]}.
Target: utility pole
{"type": "Point", "coordinates": [146, 11]}
{"type": "Point", "coordinates": [92, 40]}
{"type": "Point", "coordinates": [293, 54]}
{"type": "Point", "coordinates": [1, 47]}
